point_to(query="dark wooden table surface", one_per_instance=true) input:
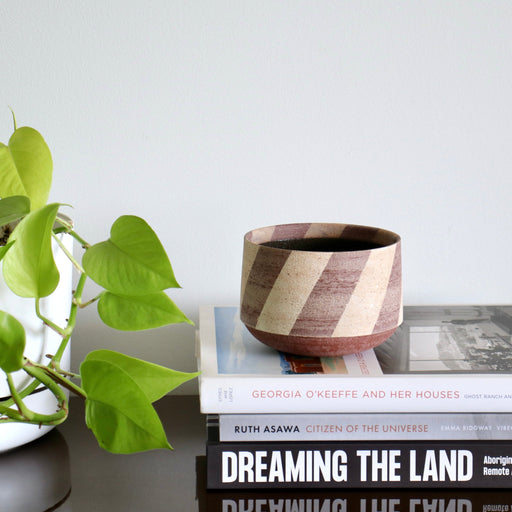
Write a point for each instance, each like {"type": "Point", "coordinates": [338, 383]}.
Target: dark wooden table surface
{"type": "Point", "coordinates": [67, 471]}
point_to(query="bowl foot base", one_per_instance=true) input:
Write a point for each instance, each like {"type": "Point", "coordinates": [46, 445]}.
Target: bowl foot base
{"type": "Point", "coordinates": [320, 347]}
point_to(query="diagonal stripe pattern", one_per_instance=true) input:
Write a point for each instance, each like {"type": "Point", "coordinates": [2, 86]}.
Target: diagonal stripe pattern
{"type": "Point", "coordinates": [311, 295]}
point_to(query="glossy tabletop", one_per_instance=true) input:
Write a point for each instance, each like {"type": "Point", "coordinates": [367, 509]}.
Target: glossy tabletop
{"type": "Point", "coordinates": [66, 471]}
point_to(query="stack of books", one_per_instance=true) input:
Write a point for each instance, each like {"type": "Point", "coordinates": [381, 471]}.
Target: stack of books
{"type": "Point", "coordinates": [431, 407]}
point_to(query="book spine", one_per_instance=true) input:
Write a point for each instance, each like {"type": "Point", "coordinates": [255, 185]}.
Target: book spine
{"type": "Point", "coordinates": [358, 427]}
{"type": "Point", "coordinates": [350, 465]}
{"type": "Point", "coordinates": [389, 393]}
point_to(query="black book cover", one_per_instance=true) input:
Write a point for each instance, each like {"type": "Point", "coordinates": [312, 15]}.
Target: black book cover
{"type": "Point", "coordinates": [352, 465]}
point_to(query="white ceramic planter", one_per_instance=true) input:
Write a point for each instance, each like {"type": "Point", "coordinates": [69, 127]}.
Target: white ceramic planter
{"type": "Point", "coordinates": [40, 340]}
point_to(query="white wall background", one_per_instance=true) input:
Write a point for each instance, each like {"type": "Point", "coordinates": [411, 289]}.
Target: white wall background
{"type": "Point", "coordinates": [209, 118]}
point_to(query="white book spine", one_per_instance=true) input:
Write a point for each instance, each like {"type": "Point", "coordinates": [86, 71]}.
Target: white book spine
{"type": "Point", "coordinates": [361, 427]}
{"type": "Point", "coordinates": [388, 393]}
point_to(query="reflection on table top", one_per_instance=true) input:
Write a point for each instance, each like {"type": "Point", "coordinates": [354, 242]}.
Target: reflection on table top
{"type": "Point", "coordinates": [66, 471]}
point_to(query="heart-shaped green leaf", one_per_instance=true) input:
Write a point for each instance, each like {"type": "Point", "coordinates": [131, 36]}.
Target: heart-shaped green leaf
{"type": "Point", "coordinates": [12, 343]}
{"type": "Point", "coordinates": [13, 208]}
{"type": "Point", "coordinates": [26, 167]}
{"type": "Point", "coordinates": [137, 313]}
{"type": "Point", "coordinates": [118, 411]}
{"type": "Point", "coordinates": [132, 261]}
{"type": "Point", "coordinates": [154, 380]}
{"type": "Point", "coordinates": [28, 267]}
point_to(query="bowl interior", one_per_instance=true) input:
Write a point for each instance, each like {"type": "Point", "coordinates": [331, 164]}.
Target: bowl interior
{"type": "Point", "coordinates": [322, 237]}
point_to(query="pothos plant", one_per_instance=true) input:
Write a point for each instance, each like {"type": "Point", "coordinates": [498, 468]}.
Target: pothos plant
{"type": "Point", "coordinates": [132, 270]}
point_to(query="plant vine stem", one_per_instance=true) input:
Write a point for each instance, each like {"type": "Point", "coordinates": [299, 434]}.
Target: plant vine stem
{"type": "Point", "coordinates": [24, 411]}
{"type": "Point", "coordinates": [89, 302]}
{"type": "Point", "coordinates": [67, 253]}
{"type": "Point", "coordinates": [11, 414]}
{"type": "Point", "coordinates": [38, 370]}
{"type": "Point", "coordinates": [22, 394]}
{"type": "Point", "coordinates": [77, 297]}
{"type": "Point", "coordinates": [55, 375]}
{"type": "Point", "coordinates": [47, 321]}
{"type": "Point", "coordinates": [68, 228]}
{"type": "Point", "coordinates": [51, 381]}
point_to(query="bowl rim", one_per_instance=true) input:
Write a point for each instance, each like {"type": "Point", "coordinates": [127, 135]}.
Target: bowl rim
{"type": "Point", "coordinates": [261, 235]}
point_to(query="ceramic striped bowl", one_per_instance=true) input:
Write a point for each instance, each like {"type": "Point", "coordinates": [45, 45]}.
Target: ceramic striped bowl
{"type": "Point", "coordinates": [321, 289]}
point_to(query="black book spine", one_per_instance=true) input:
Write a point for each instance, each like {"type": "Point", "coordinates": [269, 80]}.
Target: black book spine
{"type": "Point", "coordinates": [352, 465]}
